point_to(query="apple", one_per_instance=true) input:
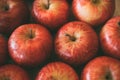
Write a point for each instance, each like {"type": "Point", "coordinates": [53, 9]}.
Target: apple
{"type": "Point", "coordinates": [30, 45]}
{"type": "Point", "coordinates": [3, 49]}
{"type": "Point", "coordinates": [50, 13]}
{"type": "Point", "coordinates": [76, 43]}
{"type": "Point", "coordinates": [13, 72]}
{"type": "Point", "coordinates": [110, 37]}
{"type": "Point", "coordinates": [93, 12]}
{"type": "Point", "coordinates": [102, 68]}
{"type": "Point", "coordinates": [13, 13]}
{"type": "Point", "coordinates": [57, 71]}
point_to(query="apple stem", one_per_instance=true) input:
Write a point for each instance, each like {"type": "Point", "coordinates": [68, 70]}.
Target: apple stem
{"type": "Point", "coordinates": [94, 1]}
{"type": "Point", "coordinates": [31, 34]}
{"type": "Point", "coordinates": [72, 38]}
{"type": "Point", "coordinates": [4, 6]}
{"type": "Point", "coordinates": [48, 4]}
{"type": "Point", "coordinates": [119, 23]}
{"type": "Point", "coordinates": [108, 76]}
{"type": "Point", "coordinates": [4, 78]}
{"type": "Point", "coordinates": [52, 78]}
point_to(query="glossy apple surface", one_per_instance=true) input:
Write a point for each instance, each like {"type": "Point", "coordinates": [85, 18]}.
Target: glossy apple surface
{"type": "Point", "coordinates": [3, 49]}
{"type": "Point", "coordinates": [50, 13]}
{"type": "Point", "coordinates": [30, 44]}
{"type": "Point", "coordinates": [13, 13]}
{"type": "Point", "coordinates": [110, 37]}
{"type": "Point", "coordinates": [13, 72]}
{"type": "Point", "coordinates": [94, 12]}
{"type": "Point", "coordinates": [57, 71]}
{"type": "Point", "coordinates": [76, 42]}
{"type": "Point", "coordinates": [102, 68]}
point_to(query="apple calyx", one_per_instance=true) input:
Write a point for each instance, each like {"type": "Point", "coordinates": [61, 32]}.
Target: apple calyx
{"type": "Point", "coordinates": [108, 76]}
{"type": "Point", "coordinates": [72, 38]}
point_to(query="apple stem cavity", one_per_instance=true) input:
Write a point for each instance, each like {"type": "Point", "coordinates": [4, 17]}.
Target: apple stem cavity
{"type": "Point", "coordinates": [72, 38]}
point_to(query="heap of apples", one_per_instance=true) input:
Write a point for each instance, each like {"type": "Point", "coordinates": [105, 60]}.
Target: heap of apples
{"type": "Point", "coordinates": [59, 40]}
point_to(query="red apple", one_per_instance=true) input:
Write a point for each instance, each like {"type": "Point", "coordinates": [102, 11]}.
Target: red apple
{"type": "Point", "coordinates": [110, 37]}
{"type": "Point", "coordinates": [102, 68]}
{"type": "Point", "coordinates": [76, 42]}
{"type": "Point", "coordinates": [13, 13]}
{"type": "Point", "coordinates": [50, 13]}
{"type": "Point", "coordinates": [30, 44]}
{"type": "Point", "coordinates": [3, 49]}
{"type": "Point", "coordinates": [94, 12]}
{"type": "Point", "coordinates": [13, 72]}
{"type": "Point", "coordinates": [57, 71]}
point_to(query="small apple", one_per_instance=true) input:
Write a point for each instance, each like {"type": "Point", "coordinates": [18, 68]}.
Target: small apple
{"type": "Point", "coordinates": [76, 42]}
{"type": "Point", "coordinates": [13, 72]}
{"type": "Point", "coordinates": [57, 71]}
{"type": "Point", "coordinates": [110, 37]}
{"type": "Point", "coordinates": [13, 13]}
{"type": "Point", "coordinates": [3, 49]}
{"type": "Point", "coordinates": [30, 44]}
{"type": "Point", "coordinates": [102, 68]}
{"type": "Point", "coordinates": [94, 12]}
{"type": "Point", "coordinates": [51, 13]}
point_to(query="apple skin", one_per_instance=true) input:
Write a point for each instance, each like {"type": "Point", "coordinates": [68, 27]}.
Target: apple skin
{"type": "Point", "coordinates": [30, 45]}
{"type": "Point", "coordinates": [110, 37]}
{"type": "Point", "coordinates": [76, 43]}
{"type": "Point", "coordinates": [3, 49]}
{"type": "Point", "coordinates": [51, 13]}
{"type": "Point", "coordinates": [13, 72]}
{"type": "Point", "coordinates": [102, 68]}
{"type": "Point", "coordinates": [13, 13]}
{"type": "Point", "coordinates": [57, 71]}
{"type": "Point", "coordinates": [93, 12]}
